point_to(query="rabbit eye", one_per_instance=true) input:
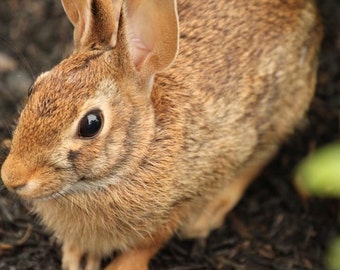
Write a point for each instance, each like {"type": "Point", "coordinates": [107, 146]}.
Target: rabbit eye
{"type": "Point", "coordinates": [91, 124]}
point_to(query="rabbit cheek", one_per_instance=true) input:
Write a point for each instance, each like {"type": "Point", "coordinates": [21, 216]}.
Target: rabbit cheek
{"type": "Point", "coordinates": [83, 162]}
{"type": "Point", "coordinates": [86, 162]}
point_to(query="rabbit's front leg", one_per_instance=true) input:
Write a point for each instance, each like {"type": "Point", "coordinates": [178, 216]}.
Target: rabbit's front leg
{"type": "Point", "coordinates": [92, 262]}
{"type": "Point", "coordinates": [71, 257]}
{"type": "Point", "coordinates": [133, 260]}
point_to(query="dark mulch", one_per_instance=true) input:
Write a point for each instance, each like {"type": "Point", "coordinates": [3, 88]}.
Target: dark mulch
{"type": "Point", "coordinates": [272, 227]}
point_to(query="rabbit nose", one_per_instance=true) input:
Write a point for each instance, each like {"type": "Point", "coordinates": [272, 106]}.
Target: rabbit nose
{"type": "Point", "coordinates": [11, 176]}
{"type": "Point", "coordinates": [16, 187]}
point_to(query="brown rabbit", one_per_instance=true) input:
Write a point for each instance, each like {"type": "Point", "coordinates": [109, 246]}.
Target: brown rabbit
{"type": "Point", "coordinates": [154, 127]}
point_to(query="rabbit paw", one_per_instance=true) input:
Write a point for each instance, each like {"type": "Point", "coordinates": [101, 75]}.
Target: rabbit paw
{"type": "Point", "coordinates": [72, 259]}
{"type": "Point", "coordinates": [133, 260]}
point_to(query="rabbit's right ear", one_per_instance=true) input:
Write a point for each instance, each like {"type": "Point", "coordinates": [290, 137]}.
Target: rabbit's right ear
{"type": "Point", "coordinates": [95, 22]}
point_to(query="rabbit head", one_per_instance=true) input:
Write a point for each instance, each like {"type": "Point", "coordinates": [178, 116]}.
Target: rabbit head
{"type": "Point", "coordinates": [91, 115]}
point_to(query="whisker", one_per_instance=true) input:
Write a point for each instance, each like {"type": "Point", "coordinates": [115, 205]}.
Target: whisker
{"type": "Point", "coordinates": [22, 58]}
{"type": "Point", "coordinates": [3, 189]}
{"type": "Point", "coordinates": [57, 162]}
{"type": "Point", "coordinates": [63, 196]}
{"type": "Point", "coordinates": [3, 152]}
{"type": "Point", "coordinates": [6, 123]}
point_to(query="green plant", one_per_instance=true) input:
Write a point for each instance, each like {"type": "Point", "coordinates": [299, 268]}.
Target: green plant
{"type": "Point", "coordinates": [319, 175]}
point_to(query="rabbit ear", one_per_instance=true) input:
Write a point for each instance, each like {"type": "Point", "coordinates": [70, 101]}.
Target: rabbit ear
{"type": "Point", "coordinates": [95, 21]}
{"type": "Point", "coordinates": [152, 33]}
{"type": "Point", "coordinates": [151, 29]}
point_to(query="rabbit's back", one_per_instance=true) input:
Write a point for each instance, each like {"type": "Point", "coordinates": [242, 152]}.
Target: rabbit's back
{"type": "Point", "coordinates": [243, 79]}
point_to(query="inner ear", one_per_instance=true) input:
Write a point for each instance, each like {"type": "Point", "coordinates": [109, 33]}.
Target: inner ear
{"type": "Point", "coordinates": [152, 33]}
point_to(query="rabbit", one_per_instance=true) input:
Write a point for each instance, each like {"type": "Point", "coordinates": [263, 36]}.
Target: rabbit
{"type": "Point", "coordinates": [159, 120]}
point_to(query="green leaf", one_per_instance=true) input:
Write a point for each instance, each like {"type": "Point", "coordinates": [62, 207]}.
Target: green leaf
{"type": "Point", "coordinates": [319, 174]}
{"type": "Point", "coordinates": [333, 258]}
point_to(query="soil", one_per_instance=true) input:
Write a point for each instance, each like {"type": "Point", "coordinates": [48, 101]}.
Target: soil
{"type": "Point", "coordinates": [272, 228]}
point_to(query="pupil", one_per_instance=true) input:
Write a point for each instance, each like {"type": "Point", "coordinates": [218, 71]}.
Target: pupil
{"type": "Point", "coordinates": [91, 124]}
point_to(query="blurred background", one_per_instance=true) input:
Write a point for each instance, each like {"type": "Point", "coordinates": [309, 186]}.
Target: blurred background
{"type": "Point", "coordinates": [272, 228]}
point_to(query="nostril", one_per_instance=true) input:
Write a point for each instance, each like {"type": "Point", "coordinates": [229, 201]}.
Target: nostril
{"type": "Point", "coordinates": [18, 187]}
{"type": "Point", "coordinates": [14, 185]}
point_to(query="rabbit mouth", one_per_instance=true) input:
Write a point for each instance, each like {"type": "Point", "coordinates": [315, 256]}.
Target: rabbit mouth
{"type": "Point", "coordinates": [69, 190]}
{"type": "Point", "coordinates": [54, 195]}
{"type": "Point", "coordinates": [46, 191]}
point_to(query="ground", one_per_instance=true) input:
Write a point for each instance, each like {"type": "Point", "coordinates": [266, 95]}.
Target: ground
{"type": "Point", "coordinates": [272, 228]}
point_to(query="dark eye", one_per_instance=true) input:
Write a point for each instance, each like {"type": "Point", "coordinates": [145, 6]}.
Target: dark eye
{"type": "Point", "coordinates": [91, 124]}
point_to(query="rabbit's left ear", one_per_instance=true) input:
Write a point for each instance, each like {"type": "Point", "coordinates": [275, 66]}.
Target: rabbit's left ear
{"type": "Point", "coordinates": [152, 33]}
{"type": "Point", "coordinates": [95, 22]}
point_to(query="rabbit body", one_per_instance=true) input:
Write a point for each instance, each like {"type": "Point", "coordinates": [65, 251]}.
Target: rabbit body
{"type": "Point", "coordinates": [176, 153]}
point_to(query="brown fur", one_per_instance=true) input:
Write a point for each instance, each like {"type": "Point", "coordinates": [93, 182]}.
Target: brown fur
{"type": "Point", "coordinates": [166, 162]}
